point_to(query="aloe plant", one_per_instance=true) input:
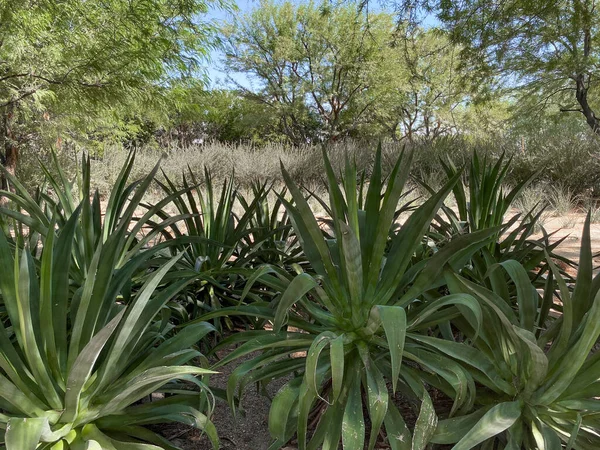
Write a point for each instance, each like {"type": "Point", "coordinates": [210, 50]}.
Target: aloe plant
{"type": "Point", "coordinates": [537, 377]}
{"type": "Point", "coordinates": [348, 325]}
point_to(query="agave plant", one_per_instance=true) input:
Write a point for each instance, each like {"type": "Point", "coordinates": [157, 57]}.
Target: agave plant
{"type": "Point", "coordinates": [346, 329]}
{"type": "Point", "coordinates": [272, 240]}
{"type": "Point", "coordinates": [97, 223]}
{"type": "Point", "coordinates": [537, 376]}
{"type": "Point", "coordinates": [211, 237]}
{"type": "Point", "coordinates": [516, 243]}
{"type": "Point", "coordinates": [75, 361]}
{"type": "Point", "coordinates": [484, 203]}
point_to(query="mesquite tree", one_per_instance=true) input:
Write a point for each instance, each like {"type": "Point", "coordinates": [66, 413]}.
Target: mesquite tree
{"type": "Point", "coordinates": [76, 58]}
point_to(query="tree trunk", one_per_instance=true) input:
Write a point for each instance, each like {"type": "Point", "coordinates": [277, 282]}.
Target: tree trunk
{"type": "Point", "coordinates": [11, 150]}
{"type": "Point", "coordinates": [582, 81]}
{"type": "Point", "coordinates": [586, 110]}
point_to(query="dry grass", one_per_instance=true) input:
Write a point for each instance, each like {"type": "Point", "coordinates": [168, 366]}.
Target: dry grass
{"type": "Point", "coordinates": [560, 186]}
{"type": "Point", "coordinates": [245, 163]}
{"type": "Point", "coordinates": [562, 200]}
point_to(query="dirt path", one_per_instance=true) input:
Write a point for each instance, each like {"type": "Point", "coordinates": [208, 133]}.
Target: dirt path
{"type": "Point", "coordinates": [571, 227]}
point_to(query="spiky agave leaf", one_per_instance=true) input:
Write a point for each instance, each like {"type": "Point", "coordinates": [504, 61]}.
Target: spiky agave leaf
{"type": "Point", "coordinates": [350, 324]}
{"type": "Point", "coordinates": [61, 201]}
{"type": "Point", "coordinates": [72, 357]}
{"type": "Point", "coordinates": [546, 387]}
{"type": "Point", "coordinates": [211, 237]}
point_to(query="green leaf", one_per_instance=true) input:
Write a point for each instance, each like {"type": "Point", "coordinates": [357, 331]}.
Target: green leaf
{"type": "Point", "coordinates": [329, 429]}
{"type": "Point", "coordinates": [383, 219]}
{"type": "Point", "coordinates": [426, 423]}
{"type": "Point", "coordinates": [312, 360]}
{"type": "Point", "coordinates": [29, 322]}
{"type": "Point", "coordinates": [582, 299]}
{"type": "Point", "coordinates": [494, 422]}
{"type": "Point", "coordinates": [471, 356]}
{"type": "Point", "coordinates": [256, 275]}
{"type": "Point", "coordinates": [298, 287]}
{"type": "Point", "coordinates": [574, 433]}
{"type": "Point", "coordinates": [128, 391]}
{"type": "Point", "coordinates": [527, 297]}
{"type": "Point", "coordinates": [397, 432]}
{"type": "Point", "coordinates": [536, 364]}
{"type": "Point", "coordinates": [281, 408]}
{"type": "Point", "coordinates": [393, 319]}
{"type": "Point", "coordinates": [353, 423]}
{"type": "Point", "coordinates": [545, 437]}
{"type": "Point", "coordinates": [336, 355]}
{"type": "Point", "coordinates": [305, 402]}
{"type": "Point", "coordinates": [568, 368]}
{"type": "Point", "coordinates": [83, 366]}
{"type": "Point", "coordinates": [377, 396]}
{"type": "Point", "coordinates": [455, 253]}
{"type": "Point", "coordinates": [404, 244]}
{"type": "Point", "coordinates": [189, 335]}
{"type": "Point", "coordinates": [308, 231]}
{"type": "Point", "coordinates": [450, 431]}
{"type": "Point", "coordinates": [24, 433]}
{"type": "Point", "coordinates": [353, 266]}
{"type": "Point", "coordinates": [465, 300]}
{"type": "Point", "coordinates": [57, 348]}
{"type": "Point", "coordinates": [91, 433]}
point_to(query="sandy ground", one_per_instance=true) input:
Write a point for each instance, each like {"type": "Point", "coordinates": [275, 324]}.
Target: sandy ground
{"type": "Point", "coordinates": [571, 227]}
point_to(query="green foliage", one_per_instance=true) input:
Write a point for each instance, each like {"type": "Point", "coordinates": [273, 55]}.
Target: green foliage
{"type": "Point", "coordinates": [218, 247]}
{"type": "Point", "coordinates": [331, 72]}
{"type": "Point", "coordinates": [380, 300]}
{"type": "Point", "coordinates": [59, 201]}
{"type": "Point", "coordinates": [301, 52]}
{"type": "Point", "coordinates": [483, 203]}
{"type": "Point", "coordinates": [272, 238]}
{"type": "Point", "coordinates": [79, 354]}
{"type": "Point", "coordinates": [421, 92]}
{"type": "Point", "coordinates": [543, 399]}
{"type": "Point", "coordinates": [75, 67]}
{"type": "Point", "coordinates": [550, 50]}
{"type": "Point", "coordinates": [354, 318]}
{"type": "Point", "coordinates": [486, 203]}
{"type": "Point", "coordinates": [223, 116]}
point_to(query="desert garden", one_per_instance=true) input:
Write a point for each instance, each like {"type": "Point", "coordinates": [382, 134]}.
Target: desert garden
{"type": "Point", "coordinates": [299, 225]}
{"type": "Point", "coordinates": [389, 320]}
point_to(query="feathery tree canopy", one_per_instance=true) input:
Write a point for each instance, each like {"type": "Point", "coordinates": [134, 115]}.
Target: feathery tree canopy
{"type": "Point", "coordinates": [546, 53]}
{"type": "Point", "coordinates": [72, 58]}
{"type": "Point", "coordinates": [331, 71]}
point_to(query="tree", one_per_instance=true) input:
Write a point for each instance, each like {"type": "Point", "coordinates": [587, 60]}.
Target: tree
{"type": "Point", "coordinates": [76, 57]}
{"type": "Point", "coordinates": [311, 64]}
{"type": "Point", "coordinates": [425, 96]}
{"type": "Point", "coordinates": [546, 49]}
{"type": "Point", "coordinates": [221, 115]}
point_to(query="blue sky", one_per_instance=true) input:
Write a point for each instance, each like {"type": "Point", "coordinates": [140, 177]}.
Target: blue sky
{"type": "Point", "coordinates": [216, 76]}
